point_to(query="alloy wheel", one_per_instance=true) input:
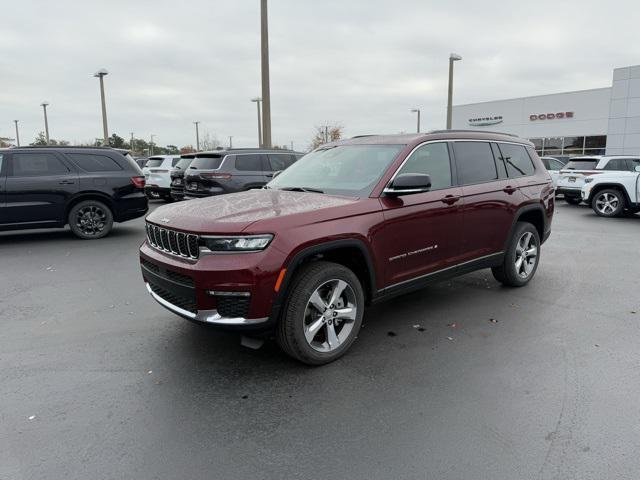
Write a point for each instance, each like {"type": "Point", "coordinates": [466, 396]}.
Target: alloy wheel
{"type": "Point", "coordinates": [607, 203]}
{"type": "Point", "coordinates": [91, 220]}
{"type": "Point", "coordinates": [526, 254]}
{"type": "Point", "coordinates": [329, 315]}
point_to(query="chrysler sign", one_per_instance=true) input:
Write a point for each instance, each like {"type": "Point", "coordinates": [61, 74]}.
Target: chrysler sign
{"type": "Point", "coordinates": [484, 121]}
{"type": "Point", "coordinates": [551, 116]}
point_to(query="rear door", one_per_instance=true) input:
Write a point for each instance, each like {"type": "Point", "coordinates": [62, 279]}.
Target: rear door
{"type": "Point", "coordinates": [490, 198]}
{"type": "Point", "coordinates": [251, 170]}
{"type": "Point", "coordinates": [38, 186]}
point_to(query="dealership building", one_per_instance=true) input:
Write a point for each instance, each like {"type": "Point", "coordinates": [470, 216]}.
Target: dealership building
{"type": "Point", "coordinates": [585, 122]}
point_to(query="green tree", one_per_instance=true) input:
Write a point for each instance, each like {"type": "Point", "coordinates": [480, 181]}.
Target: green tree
{"type": "Point", "coordinates": [116, 141]}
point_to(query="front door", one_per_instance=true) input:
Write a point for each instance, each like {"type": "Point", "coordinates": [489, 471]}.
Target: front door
{"type": "Point", "coordinates": [38, 186]}
{"type": "Point", "coordinates": [419, 235]}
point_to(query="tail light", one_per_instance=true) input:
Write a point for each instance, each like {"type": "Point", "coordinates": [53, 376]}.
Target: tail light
{"type": "Point", "coordinates": [138, 182]}
{"type": "Point", "coordinates": [220, 176]}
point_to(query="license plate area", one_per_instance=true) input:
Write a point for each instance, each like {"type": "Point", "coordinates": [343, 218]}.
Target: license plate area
{"type": "Point", "coordinates": [572, 179]}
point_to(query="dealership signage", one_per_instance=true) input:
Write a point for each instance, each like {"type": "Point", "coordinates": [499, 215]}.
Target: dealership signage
{"type": "Point", "coordinates": [484, 121]}
{"type": "Point", "coordinates": [550, 116]}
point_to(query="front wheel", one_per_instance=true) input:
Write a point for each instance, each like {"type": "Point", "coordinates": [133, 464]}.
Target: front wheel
{"type": "Point", "coordinates": [90, 219]}
{"type": "Point", "coordinates": [323, 315]}
{"type": "Point", "coordinates": [608, 203]}
{"type": "Point", "coordinates": [521, 258]}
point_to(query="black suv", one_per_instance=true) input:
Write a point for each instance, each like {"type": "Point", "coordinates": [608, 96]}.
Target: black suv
{"type": "Point", "coordinates": [234, 170]}
{"type": "Point", "coordinates": [87, 188]}
{"type": "Point", "coordinates": [177, 176]}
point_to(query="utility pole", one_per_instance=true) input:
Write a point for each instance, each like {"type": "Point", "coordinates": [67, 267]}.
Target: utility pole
{"type": "Point", "coordinates": [197, 136]}
{"type": "Point", "coordinates": [105, 130]}
{"type": "Point", "coordinates": [452, 58]}
{"type": "Point", "coordinates": [257, 100]}
{"type": "Point", "coordinates": [266, 94]}
{"type": "Point", "coordinates": [292, 145]}
{"type": "Point", "coordinates": [46, 122]}
{"type": "Point", "coordinates": [326, 134]}
{"type": "Point", "coordinates": [230, 141]}
{"type": "Point", "coordinates": [17, 134]}
{"type": "Point", "coordinates": [417, 110]}
{"type": "Point", "coordinates": [151, 145]}
{"type": "Point", "coordinates": [131, 143]}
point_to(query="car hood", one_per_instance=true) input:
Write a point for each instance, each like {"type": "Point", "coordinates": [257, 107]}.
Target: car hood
{"type": "Point", "coordinates": [235, 212]}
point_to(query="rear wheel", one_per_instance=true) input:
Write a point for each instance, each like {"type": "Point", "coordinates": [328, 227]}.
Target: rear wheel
{"type": "Point", "coordinates": [90, 219]}
{"type": "Point", "coordinates": [608, 203]}
{"type": "Point", "coordinates": [573, 200]}
{"type": "Point", "coordinates": [521, 258]}
{"type": "Point", "coordinates": [323, 315]}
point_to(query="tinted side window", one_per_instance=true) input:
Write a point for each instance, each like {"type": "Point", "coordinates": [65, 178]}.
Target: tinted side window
{"type": "Point", "coordinates": [280, 162]}
{"type": "Point", "coordinates": [616, 164]}
{"type": "Point", "coordinates": [175, 161]}
{"type": "Point", "coordinates": [1, 164]}
{"type": "Point", "coordinates": [517, 160]}
{"type": "Point", "coordinates": [37, 164]}
{"type": "Point", "coordinates": [475, 162]}
{"type": "Point", "coordinates": [433, 160]}
{"type": "Point", "coordinates": [633, 163]}
{"type": "Point", "coordinates": [94, 163]}
{"type": "Point", "coordinates": [555, 165]}
{"type": "Point", "coordinates": [249, 163]}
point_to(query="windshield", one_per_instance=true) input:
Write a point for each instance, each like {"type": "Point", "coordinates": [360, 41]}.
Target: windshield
{"type": "Point", "coordinates": [343, 170]}
{"type": "Point", "coordinates": [184, 163]}
{"type": "Point", "coordinates": [581, 165]}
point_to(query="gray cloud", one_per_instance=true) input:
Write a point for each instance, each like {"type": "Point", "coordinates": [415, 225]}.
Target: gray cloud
{"type": "Point", "coordinates": [361, 63]}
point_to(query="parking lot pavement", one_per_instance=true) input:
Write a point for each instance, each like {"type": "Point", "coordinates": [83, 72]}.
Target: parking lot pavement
{"type": "Point", "coordinates": [465, 379]}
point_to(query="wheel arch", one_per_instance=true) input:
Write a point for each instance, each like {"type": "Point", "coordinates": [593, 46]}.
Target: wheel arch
{"type": "Point", "coordinates": [609, 186]}
{"type": "Point", "coordinates": [81, 197]}
{"type": "Point", "coordinates": [533, 214]}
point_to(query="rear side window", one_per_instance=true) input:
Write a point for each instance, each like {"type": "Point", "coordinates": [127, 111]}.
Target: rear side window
{"type": "Point", "coordinates": [616, 164]}
{"type": "Point", "coordinates": [94, 163]}
{"type": "Point", "coordinates": [581, 165]}
{"type": "Point", "coordinates": [249, 163]}
{"type": "Point", "coordinates": [431, 159]}
{"type": "Point", "coordinates": [212, 162]}
{"type": "Point", "coordinates": [184, 163]}
{"type": "Point", "coordinates": [280, 162]}
{"type": "Point", "coordinates": [175, 161]}
{"type": "Point", "coordinates": [37, 165]}
{"type": "Point", "coordinates": [517, 160]}
{"type": "Point", "coordinates": [475, 162]}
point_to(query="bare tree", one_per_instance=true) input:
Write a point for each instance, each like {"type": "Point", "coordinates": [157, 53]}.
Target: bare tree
{"type": "Point", "coordinates": [325, 134]}
{"type": "Point", "coordinates": [209, 141]}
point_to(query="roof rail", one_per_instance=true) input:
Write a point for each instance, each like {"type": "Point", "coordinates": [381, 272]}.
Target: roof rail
{"type": "Point", "coordinates": [474, 131]}
{"type": "Point", "coordinates": [367, 135]}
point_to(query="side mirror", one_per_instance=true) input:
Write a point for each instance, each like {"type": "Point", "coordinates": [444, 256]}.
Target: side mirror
{"type": "Point", "coordinates": [276, 173]}
{"type": "Point", "coordinates": [408, 183]}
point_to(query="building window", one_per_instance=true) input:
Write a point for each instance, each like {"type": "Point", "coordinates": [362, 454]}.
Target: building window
{"type": "Point", "coordinates": [570, 146]}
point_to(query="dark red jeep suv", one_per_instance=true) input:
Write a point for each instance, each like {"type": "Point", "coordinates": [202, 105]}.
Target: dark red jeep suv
{"type": "Point", "coordinates": [352, 223]}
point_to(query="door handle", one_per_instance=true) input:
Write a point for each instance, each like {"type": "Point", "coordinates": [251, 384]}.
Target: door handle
{"type": "Point", "coordinates": [66, 182]}
{"type": "Point", "coordinates": [509, 189]}
{"type": "Point", "coordinates": [450, 199]}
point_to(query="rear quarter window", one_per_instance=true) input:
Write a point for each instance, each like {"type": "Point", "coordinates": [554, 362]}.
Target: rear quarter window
{"type": "Point", "coordinates": [94, 163]}
{"type": "Point", "coordinates": [517, 160]}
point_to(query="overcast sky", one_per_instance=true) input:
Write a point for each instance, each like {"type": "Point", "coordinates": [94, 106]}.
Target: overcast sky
{"type": "Point", "coordinates": [360, 63]}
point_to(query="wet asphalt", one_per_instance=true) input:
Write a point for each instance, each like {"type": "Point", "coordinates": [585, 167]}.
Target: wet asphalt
{"type": "Point", "coordinates": [462, 380]}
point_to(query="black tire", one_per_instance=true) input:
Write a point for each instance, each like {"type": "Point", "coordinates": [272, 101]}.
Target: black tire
{"type": "Point", "coordinates": [608, 203]}
{"type": "Point", "coordinates": [90, 219]}
{"type": "Point", "coordinates": [168, 198]}
{"type": "Point", "coordinates": [573, 200]}
{"type": "Point", "coordinates": [290, 332]}
{"type": "Point", "coordinates": [509, 273]}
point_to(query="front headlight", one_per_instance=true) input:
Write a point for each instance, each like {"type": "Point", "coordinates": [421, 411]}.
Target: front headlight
{"type": "Point", "coordinates": [249, 243]}
{"type": "Point", "coordinates": [588, 180]}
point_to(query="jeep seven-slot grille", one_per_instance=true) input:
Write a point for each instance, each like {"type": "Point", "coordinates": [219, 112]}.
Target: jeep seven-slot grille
{"type": "Point", "coordinates": [170, 241]}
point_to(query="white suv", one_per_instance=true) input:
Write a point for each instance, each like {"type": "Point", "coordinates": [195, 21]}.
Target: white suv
{"type": "Point", "coordinates": [612, 192]}
{"type": "Point", "coordinates": [157, 174]}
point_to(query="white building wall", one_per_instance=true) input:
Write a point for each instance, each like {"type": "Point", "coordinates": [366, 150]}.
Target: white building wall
{"type": "Point", "coordinates": [591, 111]}
{"type": "Point", "coordinates": [624, 112]}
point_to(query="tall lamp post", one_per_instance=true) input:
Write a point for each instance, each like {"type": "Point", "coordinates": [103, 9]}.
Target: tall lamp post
{"type": "Point", "coordinates": [257, 100]}
{"type": "Point", "coordinates": [230, 141]}
{"type": "Point", "coordinates": [44, 106]}
{"type": "Point", "coordinates": [454, 57]}
{"type": "Point", "coordinates": [417, 110]}
{"type": "Point", "coordinates": [131, 144]}
{"type": "Point", "coordinates": [197, 136]}
{"type": "Point", "coordinates": [17, 134]}
{"type": "Point", "coordinates": [266, 95]}
{"type": "Point", "coordinates": [100, 74]}
{"type": "Point", "coordinates": [151, 144]}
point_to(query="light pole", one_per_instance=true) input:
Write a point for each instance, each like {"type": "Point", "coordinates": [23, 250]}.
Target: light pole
{"type": "Point", "coordinates": [131, 143]}
{"type": "Point", "coordinates": [454, 57]}
{"type": "Point", "coordinates": [417, 110]}
{"type": "Point", "coordinates": [100, 74]}
{"type": "Point", "coordinates": [230, 141]}
{"type": "Point", "coordinates": [257, 100]}
{"type": "Point", "coordinates": [46, 122]}
{"type": "Point", "coordinates": [17, 134]}
{"type": "Point", "coordinates": [151, 145]}
{"type": "Point", "coordinates": [266, 95]}
{"type": "Point", "coordinates": [197, 136]}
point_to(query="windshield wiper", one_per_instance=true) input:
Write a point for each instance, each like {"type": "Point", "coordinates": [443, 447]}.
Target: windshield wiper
{"type": "Point", "coordinates": [301, 189]}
